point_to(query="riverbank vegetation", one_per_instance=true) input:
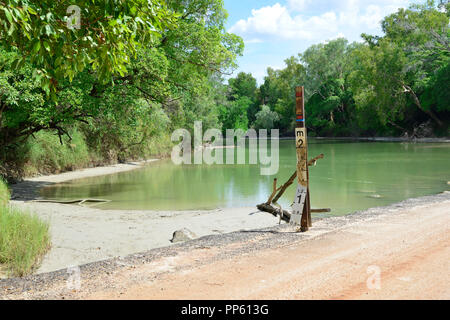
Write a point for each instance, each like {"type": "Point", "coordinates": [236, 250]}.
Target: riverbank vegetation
{"type": "Point", "coordinates": [111, 95]}
{"type": "Point", "coordinates": [393, 85]}
{"type": "Point", "coordinates": [115, 88]}
{"type": "Point", "coordinates": [24, 238]}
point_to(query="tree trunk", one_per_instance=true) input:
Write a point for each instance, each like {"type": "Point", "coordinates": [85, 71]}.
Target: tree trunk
{"type": "Point", "coordinates": [419, 105]}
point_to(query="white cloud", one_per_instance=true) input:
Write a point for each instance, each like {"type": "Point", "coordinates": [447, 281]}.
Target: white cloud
{"type": "Point", "coordinates": [255, 40]}
{"type": "Point", "coordinates": [290, 22]}
{"type": "Point", "coordinates": [276, 21]}
{"type": "Point", "coordinates": [292, 26]}
{"type": "Point", "coordinates": [368, 13]}
{"type": "Point", "coordinates": [339, 35]}
{"type": "Point", "coordinates": [298, 5]}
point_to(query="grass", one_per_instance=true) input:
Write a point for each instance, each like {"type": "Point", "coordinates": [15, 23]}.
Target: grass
{"type": "Point", "coordinates": [24, 238]}
{"type": "Point", "coordinates": [45, 153]}
{"type": "Point", "coordinates": [4, 193]}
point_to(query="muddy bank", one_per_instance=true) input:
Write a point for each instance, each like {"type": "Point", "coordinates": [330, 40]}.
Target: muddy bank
{"type": "Point", "coordinates": [28, 189]}
{"type": "Point", "coordinates": [82, 234]}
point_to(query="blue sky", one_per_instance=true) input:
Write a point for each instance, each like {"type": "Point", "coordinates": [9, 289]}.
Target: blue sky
{"type": "Point", "coordinates": [275, 30]}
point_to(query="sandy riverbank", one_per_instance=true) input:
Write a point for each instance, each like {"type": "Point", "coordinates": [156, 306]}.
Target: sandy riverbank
{"type": "Point", "coordinates": [407, 243]}
{"type": "Point", "coordinates": [28, 189]}
{"type": "Point", "coordinates": [81, 235]}
{"type": "Point", "coordinates": [84, 234]}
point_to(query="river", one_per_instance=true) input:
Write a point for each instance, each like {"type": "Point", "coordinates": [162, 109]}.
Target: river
{"type": "Point", "coordinates": [352, 176]}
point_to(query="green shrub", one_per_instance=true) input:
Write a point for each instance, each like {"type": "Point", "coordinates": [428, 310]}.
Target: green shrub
{"type": "Point", "coordinates": [24, 239]}
{"type": "Point", "coordinates": [4, 193]}
{"type": "Point", "coordinates": [266, 119]}
{"type": "Point", "coordinates": [45, 153]}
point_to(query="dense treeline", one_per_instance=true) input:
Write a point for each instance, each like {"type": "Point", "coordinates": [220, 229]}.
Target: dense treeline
{"type": "Point", "coordinates": [115, 88]}
{"type": "Point", "coordinates": [111, 90]}
{"type": "Point", "coordinates": [393, 85]}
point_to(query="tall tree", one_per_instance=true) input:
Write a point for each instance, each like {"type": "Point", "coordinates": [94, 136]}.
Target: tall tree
{"type": "Point", "coordinates": [244, 85]}
{"type": "Point", "coordinates": [403, 68]}
{"type": "Point", "coordinates": [171, 68]}
{"type": "Point", "coordinates": [329, 100]}
{"type": "Point", "coordinates": [61, 39]}
{"type": "Point", "coordinates": [278, 91]}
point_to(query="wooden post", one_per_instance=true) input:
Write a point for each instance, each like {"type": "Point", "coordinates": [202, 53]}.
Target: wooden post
{"type": "Point", "coordinates": [301, 213]}
{"type": "Point", "coordinates": [283, 188]}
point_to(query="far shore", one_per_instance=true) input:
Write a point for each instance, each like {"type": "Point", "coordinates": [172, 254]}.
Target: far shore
{"type": "Point", "coordinates": [371, 139]}
{"type": "Point", "coordinates": [380, 139]}
{"type": "Point", "coordinates": [390, 139]}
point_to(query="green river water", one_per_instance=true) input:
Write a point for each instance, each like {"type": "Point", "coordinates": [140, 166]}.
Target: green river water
{"type": "Point", "coordinates": [352, 176]}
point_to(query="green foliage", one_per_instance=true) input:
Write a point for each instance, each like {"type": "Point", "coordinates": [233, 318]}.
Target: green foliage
{"type": "Point", "coordinates": [123, 128]}
{"type": "Point", "coordinates": [4, 193]}
{"type": "Point", "coordinates": [174, 59]}
{"type": "Point", "coordinates": [109, 34]}
{"type": "Point", "coordinates": [325, 62]}
{"type": "Point", "coordinates": [436, 93]}
{"type": "Point", "coordinates": [278, 91]}
{"type": "Point", "coordinates": [137, 70]}
{"type": "Point", "coordinates": [24, 108]}
{"type": "Point", "coordinates": [330, 105]}
{"type": "Point", "coordinates": [403, 74]}
{"type": "Point", "coordinates": [244, 85]}
{"type": "Point", "coordinates": [266, 119]}
{"type": "Point", "coordinates": [389, 85]}
{"type": "Point", "coordinates": [45, 154]}
{"type": "Point", "coordinates": [233, 115]}
{"type": "Point", "coordinates": [377, 83]}
{"type": "Point", "coordinates": [24, 239]}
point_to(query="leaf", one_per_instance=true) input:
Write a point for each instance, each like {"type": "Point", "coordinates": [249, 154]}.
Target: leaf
{"type": "Point", "coordinates": [11, 29]}
{"type": "Point", "coordinates": [31, 10]}
{"type": "Point", "coordinates": [8, 15]}
{"type": "Point", "coordinates": [16, 63]}
{"type": "Point", "coordinates": [36, 47]}
{"type": "Point", "coordinates": [46, 46]}
{"type": "Point", "coordinates": [48, 30]}
{"type": "Point", "coordinates": [45, 83]}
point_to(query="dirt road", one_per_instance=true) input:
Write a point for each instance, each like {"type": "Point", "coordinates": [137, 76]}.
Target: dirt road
{"type": "Point", "coordinates": [410, 249]}
{"type": "Point", "coordinates": [400, 252]}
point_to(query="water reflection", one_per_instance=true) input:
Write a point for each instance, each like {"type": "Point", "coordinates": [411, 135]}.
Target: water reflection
{"type": "Point", "coordinates": [353, 176]}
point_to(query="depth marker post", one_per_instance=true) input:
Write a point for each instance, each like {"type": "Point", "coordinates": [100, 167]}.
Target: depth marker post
{"type": "Point", "coordinates": [301, 209]}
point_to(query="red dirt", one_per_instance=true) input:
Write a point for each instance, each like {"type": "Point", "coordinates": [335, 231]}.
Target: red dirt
{"type": "Point", "coordinates": [411, 248]}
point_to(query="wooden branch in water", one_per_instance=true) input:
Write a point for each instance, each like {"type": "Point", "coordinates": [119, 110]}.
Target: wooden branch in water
{"type": "Point", "coordinates": [321, 210]}
{"type": "Point", "coordinates": [292, 178]}
{"type": "Point", "coordinates": [284, 187]}
{"type": "Point", "coordinates": [269, 201]}
{"type": "Point", "coordinates": [78, 201]}
{"type": "Point", "coordinates": [314, 160]}
{"type": "Point", "coordinates": [286, 216]}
